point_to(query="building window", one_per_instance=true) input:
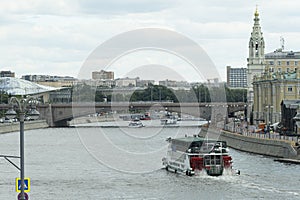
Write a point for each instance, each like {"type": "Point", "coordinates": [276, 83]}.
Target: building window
{"type": "Point", "coordinates": [290, 89]}
{"type": "Point", "coordinates": [296, 62]}
{"type": "Point", "coordinates": [279, 69]}
{"type": "Point", "coordinates": [278, 62]}
{"type": "Point", "coordinates": [256, 48]}
{"type": "Point", "coordinates": [287, 62]}
{"type": "Point", "coordinates": [271, 62]}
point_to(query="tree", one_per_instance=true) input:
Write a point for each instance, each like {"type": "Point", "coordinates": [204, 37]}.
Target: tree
{"type": "Point", "coordinates": [236, 95]}
{"type": "Point", "coordinates": [4, 97]}
{"type": "Point", "coordinates": [154, 93]}
{"type": "Point", "coordinates": [201, 92]}
{"type": "Point", "coordinates": [83, 93]}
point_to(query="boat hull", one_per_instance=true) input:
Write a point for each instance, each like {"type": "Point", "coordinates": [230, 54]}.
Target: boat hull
{"type": "Point", "coordinates": [191, 155]}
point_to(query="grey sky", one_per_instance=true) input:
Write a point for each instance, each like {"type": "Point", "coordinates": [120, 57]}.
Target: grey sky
{"type": "Point", "coordinates": [55, 37]}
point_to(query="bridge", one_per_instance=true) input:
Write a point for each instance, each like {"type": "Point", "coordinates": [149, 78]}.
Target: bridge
{"type": "Point", "coordinates": [60, 114]}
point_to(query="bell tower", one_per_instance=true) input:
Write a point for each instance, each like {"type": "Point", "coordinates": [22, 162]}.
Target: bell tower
{"type": "Point", "coordinates": [256, 59]}
{"type": "Point", "coordinates": [255, 62]}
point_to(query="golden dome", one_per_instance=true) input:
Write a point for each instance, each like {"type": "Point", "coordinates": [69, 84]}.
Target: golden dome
{"type": "Point", "coordinates": [256, 14]}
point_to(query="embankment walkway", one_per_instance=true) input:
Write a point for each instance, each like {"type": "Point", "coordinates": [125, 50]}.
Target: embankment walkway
{"type": "Point", "coordinates": [264, 146]}
{"type": "Point", "coordinates": [28, 125]}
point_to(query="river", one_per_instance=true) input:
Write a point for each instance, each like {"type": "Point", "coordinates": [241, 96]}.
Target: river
{"type": "Point", "coordinates": [90, 162]}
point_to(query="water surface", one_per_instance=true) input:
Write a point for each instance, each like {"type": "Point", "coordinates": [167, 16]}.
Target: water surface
{"type": "Point", "coordinates": [65, 163]}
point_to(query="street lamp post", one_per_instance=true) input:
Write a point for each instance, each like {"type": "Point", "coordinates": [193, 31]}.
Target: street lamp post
{"type": "Point", "coordinates": [269, 107]}
{"type": "Point", "coordinates": [151, 98]}
{"type": "Point", "coordinates": [269, 119]}
{"type": "Point", "coordinates": [234, 123]}
{"type": "Point", "coordinates": [22, 105]}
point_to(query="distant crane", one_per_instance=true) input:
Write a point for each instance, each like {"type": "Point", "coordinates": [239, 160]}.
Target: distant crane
{"type": "Point", "coordinates": [282, 42]}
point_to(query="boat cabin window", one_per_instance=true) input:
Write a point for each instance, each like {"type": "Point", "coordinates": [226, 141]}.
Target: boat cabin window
{"type": "Point", "coordinates": [223, 143]}
{"type": "Point", "coordinates": [212, 160]}
{"type": "Point", "coordinates": [207, 147]}
{"type": "Point", "coordinates": [178, 147]}
{"type": "Point", "coordinates": [195, 147]}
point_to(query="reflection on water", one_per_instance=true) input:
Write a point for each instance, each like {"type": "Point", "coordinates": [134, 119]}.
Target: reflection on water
{"type": "Point", "coordinates": [60, 167]}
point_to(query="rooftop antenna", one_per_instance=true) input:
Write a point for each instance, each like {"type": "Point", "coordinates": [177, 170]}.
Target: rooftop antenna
{"type": "Point", "coordinates": [282, 42]}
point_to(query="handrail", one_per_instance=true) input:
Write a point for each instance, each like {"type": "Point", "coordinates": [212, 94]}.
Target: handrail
{"type": "Point", "coordinates": [6, 157]}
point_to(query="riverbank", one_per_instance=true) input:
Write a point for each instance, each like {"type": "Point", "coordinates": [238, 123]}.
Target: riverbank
{"type": "Point", "coordinates": [88, 120]}
{"type": "Point", "coordinates": [116, 122]}
{"type": "Point", "coordinates": [262, 146]}
{"type": "Point", "coordinates": [28, 125]}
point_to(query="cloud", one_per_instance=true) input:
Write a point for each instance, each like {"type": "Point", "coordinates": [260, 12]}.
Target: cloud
{"type": "Point", "coordinates": [77, 7]}
{"type": "Point", "coordinates": [124, 7]}
{"type": "Point", "coordinates": [39, 34]}
{"type": "Point", "coordinates": [36, 7]}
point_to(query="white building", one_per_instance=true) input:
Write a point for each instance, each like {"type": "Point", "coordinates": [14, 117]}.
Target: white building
{"type": "Point", "coordinates": [125, 82]}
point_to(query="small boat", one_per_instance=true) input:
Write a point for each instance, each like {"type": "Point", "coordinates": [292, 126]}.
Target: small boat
{"type": "Point", "coordinates": [195, 154]}
{"type": "Point", "coordinates": [146, 116]}
{"type": "Point", "coordinates": [136, 123]}
{"type": "Point", "coordinates": [168, 121]}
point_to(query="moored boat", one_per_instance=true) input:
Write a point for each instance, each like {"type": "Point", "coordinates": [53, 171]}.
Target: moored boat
{"type": "Point", "coordinates": [168, 121]}
{"type": "Point", "coordinates": [136, 123]}
{"type": "Point", "coordinates": [191, 154]}
{"type": "Point", "coordinates": [146, 116]}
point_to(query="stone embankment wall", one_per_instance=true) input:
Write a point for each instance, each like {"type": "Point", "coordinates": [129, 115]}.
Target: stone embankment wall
{"type": "Point", "coordinates": [270, 147]}
{"type": "Point", "coordinates": [87, 120]}
{"type": "Point", "coordinates": [28, 125]}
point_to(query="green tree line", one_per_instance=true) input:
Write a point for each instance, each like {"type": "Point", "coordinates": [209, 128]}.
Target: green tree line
{"type": "Point", "coordinates": [4, 97]}
{"type": "Point", "coordinates": [200, 93]}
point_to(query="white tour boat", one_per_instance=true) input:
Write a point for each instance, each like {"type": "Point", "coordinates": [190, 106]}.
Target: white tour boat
{"type": "Point", "coordinates": [191, 154]}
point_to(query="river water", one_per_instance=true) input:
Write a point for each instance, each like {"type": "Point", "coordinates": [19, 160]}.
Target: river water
{"type": "Point", "coordinates": [90, 162]}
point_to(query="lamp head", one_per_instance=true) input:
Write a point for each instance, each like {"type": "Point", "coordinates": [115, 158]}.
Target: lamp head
{"type": "Point", "coordinates": [33, 114]}
{"type": "Point", "coordinates": [10, 114]}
